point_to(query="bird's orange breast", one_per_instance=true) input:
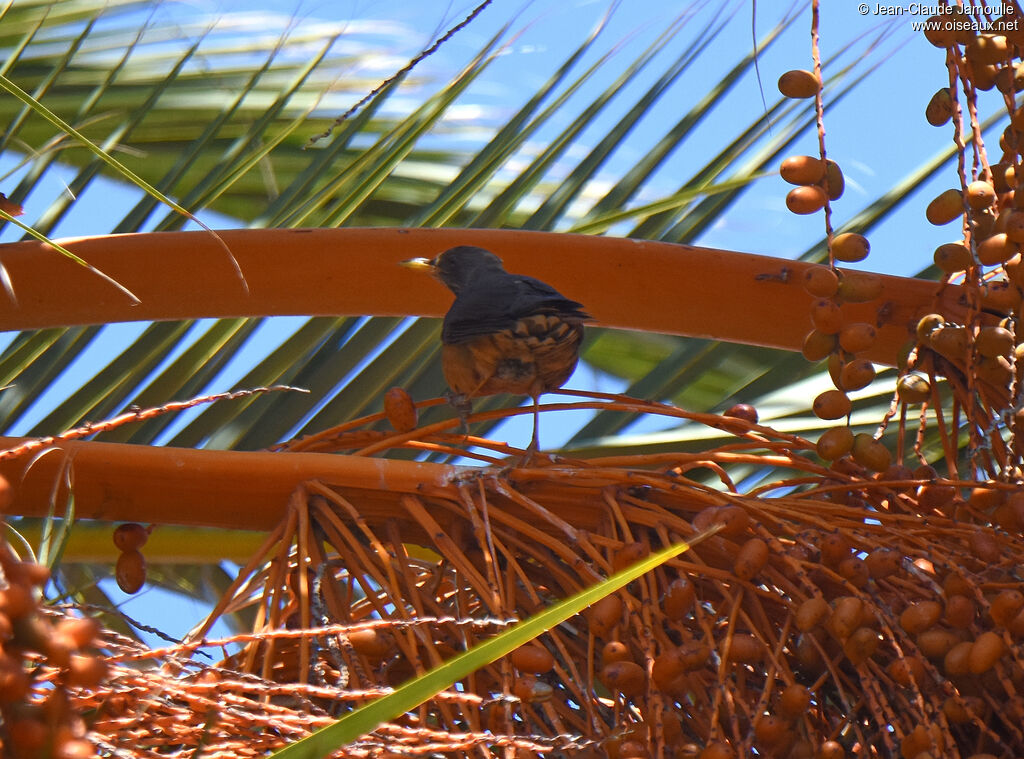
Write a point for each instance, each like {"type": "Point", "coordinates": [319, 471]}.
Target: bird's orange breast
{"type": "Point", "coordinates": [535, 356]}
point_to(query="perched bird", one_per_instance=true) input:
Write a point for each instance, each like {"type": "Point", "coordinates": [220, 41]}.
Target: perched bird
{"type": "Point", "coordinates": [504, 333]}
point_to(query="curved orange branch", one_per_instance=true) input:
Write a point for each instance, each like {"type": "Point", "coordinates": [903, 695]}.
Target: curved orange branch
{"type": "Point", "coordinates": [241, 489]}
{"type": "Point", "coordinates": [249, 490]}
{"type": "Point", "coordinates": [631, 284]}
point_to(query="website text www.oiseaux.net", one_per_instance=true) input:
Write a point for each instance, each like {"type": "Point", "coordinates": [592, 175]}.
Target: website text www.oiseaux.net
{"type": "Point", "coordinates": [948, 18]}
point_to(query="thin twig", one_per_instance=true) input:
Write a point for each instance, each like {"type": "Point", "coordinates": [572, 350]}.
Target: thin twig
{"type": "Point", "coordinates": [405, 70]}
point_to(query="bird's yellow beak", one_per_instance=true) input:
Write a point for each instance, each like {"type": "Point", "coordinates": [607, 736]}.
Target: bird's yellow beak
{"type": "Point", "coordinates": [419, 264]}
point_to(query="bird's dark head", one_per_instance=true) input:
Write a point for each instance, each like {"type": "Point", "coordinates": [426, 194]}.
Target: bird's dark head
{"type": "Point", "coordinates": [458, 266]}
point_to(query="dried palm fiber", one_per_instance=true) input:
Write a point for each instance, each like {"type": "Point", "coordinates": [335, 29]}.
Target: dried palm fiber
{"type": "Point", "coordinates": [870, 610]}
{"type": "Point", "coordinates": [836, 605]}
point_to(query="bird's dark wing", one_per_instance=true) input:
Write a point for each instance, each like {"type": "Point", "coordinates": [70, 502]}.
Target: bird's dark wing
{"type": "Point", "coordinates": [494, 305]}
{"type": "Point", "coordinates": [550, 299]}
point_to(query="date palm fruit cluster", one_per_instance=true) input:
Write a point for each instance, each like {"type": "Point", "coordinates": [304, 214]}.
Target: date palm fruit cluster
{"type": "Point", "coordinates": [792, 628]}
{"type": "Point", "coordinates": [130, 571]}
{"type": "Point", "coordinates": [985, 349]}
{"type": "Point", "coordinates": [938, 628]}
{"type": "Point", "coordinates": [40, 661]}
{"type": "Point", "coordinates": [833, 335]}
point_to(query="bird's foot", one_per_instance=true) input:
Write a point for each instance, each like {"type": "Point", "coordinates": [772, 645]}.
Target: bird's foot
{"type": "Point", "coordinates": [463, 407]}
{"type": "Point", "coordinates": [528, 455]}
{"type": "Point", "coordinates": [528, 458]}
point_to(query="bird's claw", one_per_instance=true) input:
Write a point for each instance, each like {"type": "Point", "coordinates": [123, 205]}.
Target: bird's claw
{"type": "Point", "coordinates": [463, 407]}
